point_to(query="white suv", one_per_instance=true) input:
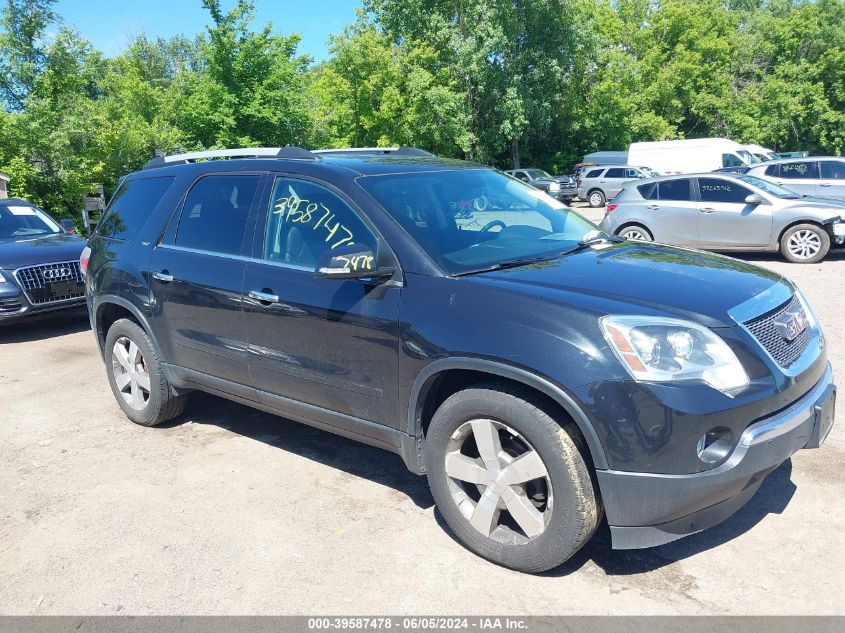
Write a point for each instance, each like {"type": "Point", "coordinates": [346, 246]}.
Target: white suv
{"type": "Point", "coordinates": [812, 176]}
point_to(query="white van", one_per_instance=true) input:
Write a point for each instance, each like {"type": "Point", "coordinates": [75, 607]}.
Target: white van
{"type": "Point", "coordinates": [688, 156]}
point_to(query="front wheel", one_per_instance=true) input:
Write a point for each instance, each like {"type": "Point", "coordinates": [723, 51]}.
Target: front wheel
{"type": "Point", "coordinates": [509, 479]}
{"type": "Point", "coordinates": [805, 244]}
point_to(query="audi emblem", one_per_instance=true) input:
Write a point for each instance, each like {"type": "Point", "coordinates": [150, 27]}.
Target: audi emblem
{"type": "Point", "coordinates": [56, 273]}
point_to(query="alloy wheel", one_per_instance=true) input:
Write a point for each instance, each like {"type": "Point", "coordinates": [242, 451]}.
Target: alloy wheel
{"type": "Point", "coordinates": [596, 199]}
{"type": "Point", "coordinates": [804, 244]}
{"type": "Point", "coordinates": [635, 234]}
{"type": "Point", "coordinates": [498, 481]}
{"type": "Point", "coordinates": [131, 374]}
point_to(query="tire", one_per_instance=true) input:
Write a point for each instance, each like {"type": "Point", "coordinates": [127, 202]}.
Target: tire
{"type": "Point", "coordinates": [139, 367]}
{"type": "Point", "coordinates": [566, 506]}
{"type": "Point", "coordinates": [596, 198]}
{"type": "Point", "coordinates": [635, 232]}
{"type": "Point", "coordinates": [805, 244]}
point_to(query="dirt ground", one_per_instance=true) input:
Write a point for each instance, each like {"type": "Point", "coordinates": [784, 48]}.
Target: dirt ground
{"type": "Point", "coordinates": [232, 511]}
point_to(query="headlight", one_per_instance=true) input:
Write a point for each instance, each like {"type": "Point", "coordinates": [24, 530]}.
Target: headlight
{"type": "Point", "coordinates": [670, 350]}
{"type": "Point", "coordinates": [2, 279]}
{"type": "Point", "coordinates": [554, 186]}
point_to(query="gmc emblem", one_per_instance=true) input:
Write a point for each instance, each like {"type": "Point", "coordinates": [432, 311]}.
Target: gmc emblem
{"type": "Point", "coordinates": [791, 324]}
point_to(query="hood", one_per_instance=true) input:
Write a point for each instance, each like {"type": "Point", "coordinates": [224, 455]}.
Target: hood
{"type": "Point", "coordinates": [833, 205]}
{"type": "Point", "coordinates": [18, 252]}
{"type": "Point", "coordinates": [643, 278]}
{"type": "Point", "coordinates": [564, 180]}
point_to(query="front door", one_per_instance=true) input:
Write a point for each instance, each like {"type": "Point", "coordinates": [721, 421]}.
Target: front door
{"type": "Point", "coordinates": [832, 182]}
{"type": "Point", "coordinates": [197, 277]}
{"type": "Point", "coordinates": [725, 220]}
{"type": "Point", "coordinates": [326, 342]}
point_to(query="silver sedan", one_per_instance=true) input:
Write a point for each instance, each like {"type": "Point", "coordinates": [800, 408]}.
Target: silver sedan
{"type": "Point", "coordinates": [727, 212]}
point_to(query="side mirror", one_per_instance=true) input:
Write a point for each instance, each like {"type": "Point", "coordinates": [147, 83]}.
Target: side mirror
{"type": "Point", "coordinates": [753, 199]}
{"type": "Point", "coordinates": [68, 225]}
{"type": "Point", "coordinates": [350, 262]}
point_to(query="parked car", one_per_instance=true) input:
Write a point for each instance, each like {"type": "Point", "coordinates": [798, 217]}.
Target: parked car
{"type": "Point", "coordinates": [689, 156]}
{"type": "Point", "coordinates": [600, 184]}
{"type": "Point", "coordinates": [561, 188]}
{"type": "Point", "coordinates": [814, 176]}
{"type": "Point", "coordinates": [727, 212]}
{"type": "Point", "coordinates": [540, 373]}
{"type": "Point", "coordinates": [39, 262]}
{"type": "Point", "coordinates": [762, 154]}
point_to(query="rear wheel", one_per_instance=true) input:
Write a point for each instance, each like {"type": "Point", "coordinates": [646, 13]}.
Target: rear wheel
{"type": "Point", "coordinates": [136, 378]}
{"type": "Point", "coordinates": [636, 232]}
{"type": "Point", "coordinates": [596, 198]}
{"type": "Point", "coordinates": [509, 480]}
{"type": "Point", "coordinates": [805, 244]}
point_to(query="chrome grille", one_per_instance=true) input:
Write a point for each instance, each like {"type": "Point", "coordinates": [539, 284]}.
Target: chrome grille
{"type": "Point", "coordinates": [763, 328]}
{"type": "Point", "coordinates": [35, 279]}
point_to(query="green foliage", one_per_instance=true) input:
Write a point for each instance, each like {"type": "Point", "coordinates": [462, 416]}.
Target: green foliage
{"type": "Point", "coordinates": [537, 82]}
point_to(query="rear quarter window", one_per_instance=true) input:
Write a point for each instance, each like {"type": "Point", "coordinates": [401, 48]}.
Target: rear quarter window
{"type": "Point", "coordinates": [131, 206]}
{"type": "Point", "coordinates": [648, 191]}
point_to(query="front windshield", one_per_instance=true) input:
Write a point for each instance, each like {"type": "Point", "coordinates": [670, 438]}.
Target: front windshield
{"type": "Point", "coordinates": [649, 171]}
{"type": "Point", "coordinates": [771, 188]}
{"type": "Point", "coordinates": [475, 219]}
{"type": "Point", "coordinates": [748, 157]}
{"type": "Point", "coordinates": [537, 173]}
{"type": "Point", "coordinates": [22, 220]}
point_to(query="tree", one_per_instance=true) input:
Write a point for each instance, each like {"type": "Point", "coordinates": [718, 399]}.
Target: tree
{"type": "Point", "coordinates": [23, 57]}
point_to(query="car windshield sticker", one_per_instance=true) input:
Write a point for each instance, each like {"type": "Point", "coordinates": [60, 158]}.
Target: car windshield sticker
{"type": "Point", "coordinates": [317, 216]}
{"type": "Point", "coordinates": [21, 210]}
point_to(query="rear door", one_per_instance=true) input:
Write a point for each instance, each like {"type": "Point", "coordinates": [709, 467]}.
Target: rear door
{"type": "Point", "coordinates": [329, 343]}
{"type": "Point", "coordinates": [674, 215]}
{"type": "Point", "coordinates": [612, 181]}
{"type": "Point", "coordinates": [832, 181]}
{"type": "Point", "coordinates": [197, 276]}
{"type": "Point", "coordinates": [726, 221]}
{"type": "Point", "coordinates": [802, 176]}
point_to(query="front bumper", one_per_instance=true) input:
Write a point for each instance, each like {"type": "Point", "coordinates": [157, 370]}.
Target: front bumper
{"type": "Point", "coordinates": [563, 194]}
{"type": "Point", "coordinates": [14, 303]}
{"type": "Point", "coordinates": [648, 509]}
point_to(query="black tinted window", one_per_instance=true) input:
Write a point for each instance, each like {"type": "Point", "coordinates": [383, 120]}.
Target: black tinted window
{"type": "Point", "coordinates": [800, 170]}
{"type": "Point", "coordinates": [307, 220]}
{"type": "Point", "coordinates": [675, 190]}
{"type": "Point", "coordinates": [595, 173]}
{"type": "Point", "coordinates": [773, 170]}
{"type": "Point", "coordinates": [833, 169]}
{"type": "Point", "coordinates": [731, 160]}
{"type": "Point", "coordinates": [714, 190]}
{"type": "Point", "coordinates": [649, 191]}
{"type": "Point", "coordinates": [131, 206]}
{"type": "Point", "coordinates": [215, 213]}
{"type": "Point", "coordinates": [615, 173]}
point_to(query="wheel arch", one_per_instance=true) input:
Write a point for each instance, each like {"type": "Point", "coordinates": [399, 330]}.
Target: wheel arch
{"type": "Point", "coordinates": [466, 371]}
{"type": "Point", "coordinates": [822, 224]}
{"type": "Point", "coordinates": [630, 223]}
{"type": "Point", "coordinates": [110, 308]}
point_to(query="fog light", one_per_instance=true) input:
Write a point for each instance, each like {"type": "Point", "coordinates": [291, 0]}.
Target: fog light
{"type": "Point", "coordinates": [715, 445]}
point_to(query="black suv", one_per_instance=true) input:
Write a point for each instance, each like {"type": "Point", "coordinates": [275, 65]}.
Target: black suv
{"type": "Point", "coordinates": [538, 371]}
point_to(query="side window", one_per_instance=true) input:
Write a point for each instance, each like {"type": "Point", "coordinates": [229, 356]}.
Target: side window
{"type": "Point", "coordinates": [715, 190]}
{"type": "Point", "coordinates": [773, 170]}
{"type": "Point", "coordinates": [595, 173]}
{"type": "Point", "coordinates": [632, 173]}
{"type": "Point", "coordinates": [679, 190]}
{"type": "Point", "coordinates": [215, 214]}
{"type": "Point", "coordinates": [131, 206]}
{"type": "Point", "coordinates": [649, 191]}
{"type": "Point", "coordinates": [800, 170]}
{"type": "Point", "coordinates": [306, 220]}
{"type": "Point", "coordinates": [731, 160]}
{"type": "Point", "coordinates": [616, 172]}
{"type": "Point", "coordinates": [833, 169]}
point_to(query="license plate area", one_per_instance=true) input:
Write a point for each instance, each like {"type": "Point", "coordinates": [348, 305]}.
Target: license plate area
{"type": "Point", "coordinates": [63, 289]}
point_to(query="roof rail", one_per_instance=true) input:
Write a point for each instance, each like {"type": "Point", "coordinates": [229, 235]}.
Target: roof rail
{"type": "Point", "coordinates": [375, 151]}
{"type": "Point", "coordinates": [290, 151]}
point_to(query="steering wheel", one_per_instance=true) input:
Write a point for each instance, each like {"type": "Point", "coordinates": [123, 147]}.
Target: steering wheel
{"type": "Point", "coordinates": [490, 225]}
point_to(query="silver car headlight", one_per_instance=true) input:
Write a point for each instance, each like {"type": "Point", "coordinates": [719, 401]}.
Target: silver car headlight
{"type": "Point", "coordinates": [670, 350]}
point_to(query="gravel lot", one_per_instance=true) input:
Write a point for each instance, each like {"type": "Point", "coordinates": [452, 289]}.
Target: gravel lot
{"type": "Point", "coordinates": [232, 511]}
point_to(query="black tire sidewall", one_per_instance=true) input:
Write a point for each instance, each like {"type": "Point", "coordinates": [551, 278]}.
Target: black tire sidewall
{"type": "Point", "coordinates": [561, 538]}
{"type": "Point", "coordinates": [124, 327]}
{"type": "Point", "coordinates": [823, 236]}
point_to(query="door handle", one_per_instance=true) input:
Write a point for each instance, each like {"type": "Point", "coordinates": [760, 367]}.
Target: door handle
{"type": "Point", "coordinates": [707, 209]}
{"type": "Point", "coordinates": [824, 184]}
{"type": "Point", "coordinates": [653, 207]}
{"type": "Point", "coordinates": [163, 276]}
{"type": "Point", "coordinates": [263, 297]}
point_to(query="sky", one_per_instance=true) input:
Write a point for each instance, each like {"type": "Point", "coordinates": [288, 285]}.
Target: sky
{"type": "Point", "coordinates": [110, 24]}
